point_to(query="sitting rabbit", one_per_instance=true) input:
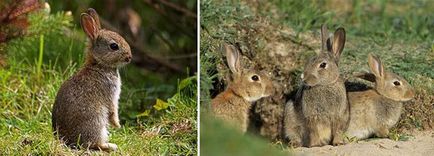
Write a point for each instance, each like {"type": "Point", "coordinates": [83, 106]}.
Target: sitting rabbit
{"type": "Point", "coordinates": [322, 98]}
{"type": "Point", "coordinates": [88, 101]}
{"type": "Point", "coordinates": [248, 86]}
{"type": "Point", "coordinates": [375, 111]}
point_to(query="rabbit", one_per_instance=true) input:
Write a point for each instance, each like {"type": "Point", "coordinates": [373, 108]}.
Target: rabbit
{"type": "Point", "coordinates": [249, 85]}
{"type": "Point", "coordinates": [293, 127]}
{"type": "Point", "coordinates": [88, 101]}
{"type": "Point", "coordinates": [322, 97]}
{"type": "Point", "coordinates": [375, 111]}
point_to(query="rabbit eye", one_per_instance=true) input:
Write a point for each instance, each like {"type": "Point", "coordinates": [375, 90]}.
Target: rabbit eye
{"type": "Point", "coordinates": [114, 46]}
{"type": "Point", "coordinates": [255, 78]}
{"type": "Point", "coordinates": [396, 83]}
{"type": "Point", "coordinates": [323, 65]}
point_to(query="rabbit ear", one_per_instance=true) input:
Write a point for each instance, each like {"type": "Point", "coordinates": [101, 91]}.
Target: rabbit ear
{"type": "Point", "coordinates": [325, 41]}
{"type": "Point", "coordinates": [233, 58]}
{"type": "Point", "coordinates": [338, 42]}
{"type": "Point", "coordinates": [375, 65]}
{"type": "Point", "coordinates": [366, 76]}
{"type": "Point", "coordinates": [89, 26]}
{"type": "Point", "coordinates": [95, 16]}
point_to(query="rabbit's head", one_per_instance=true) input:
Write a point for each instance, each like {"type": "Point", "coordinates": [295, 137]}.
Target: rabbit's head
{"type": "Point", "coordinates": [387, 84]}
{"type": "Point", "coordinates": [107, 48]}
{"type": "Point", "coordinates": [323, 68]}
{"type": "Point", "coordinates": [250, 84]}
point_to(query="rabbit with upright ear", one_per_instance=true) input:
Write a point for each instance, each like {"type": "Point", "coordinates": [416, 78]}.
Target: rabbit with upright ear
{"type": "Point", "coordinates": [322, 96]}
{"type": "Point", "coordinates": [375, 111]}
{"type": "Point", "coordinates": [88, 101]}
{"type": "Point", "coordinates": [248, 86]}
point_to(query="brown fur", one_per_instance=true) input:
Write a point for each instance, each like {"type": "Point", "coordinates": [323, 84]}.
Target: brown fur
{"type": "Point", "coordinates": [233, 105]}
{"type": "Point", "coordinates": [88, 101]}
{"type": "Point", "coordinates": [293, 125]}
{"type": "Point", "coordinates": [320, 111]}
{"type": "Point", "coordinates": [325, 113]}
{"type": "Point", "coordinates": [375, 111]}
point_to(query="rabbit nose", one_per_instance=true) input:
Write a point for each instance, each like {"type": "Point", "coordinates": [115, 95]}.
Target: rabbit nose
{"type": "Point", "coordinates": [269, 90]}
{"type": "Point", "coordinates": [410, 94]}
{"type": "Point", "coordinates": [128, 59]}
{"type": "Point", "coordinates": [306, 77]}
{"type": "Point", "coordinates": [309, 79]}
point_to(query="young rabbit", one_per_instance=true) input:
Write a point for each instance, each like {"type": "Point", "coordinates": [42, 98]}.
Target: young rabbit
{"type": "Point", "coordinates": [88, 101]}
{"type": "Point", "coordinates": [248, 86]}
{"type": "Point", "coordinates": [322, 96]}
{"type": "Point", "coordinates": [293, 125]}
{"type": "Point", "coordinates": [375, 111]}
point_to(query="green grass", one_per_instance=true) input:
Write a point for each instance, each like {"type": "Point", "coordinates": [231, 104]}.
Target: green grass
{"type": "Point", "coordinates": [39, 63]}
{"type": "Point", "coordinates": [280, 35]}
{"type": "Point", "coordinates": [222, 140]}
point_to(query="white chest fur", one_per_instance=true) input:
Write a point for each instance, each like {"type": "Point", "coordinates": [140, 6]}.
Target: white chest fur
{"type": "Point", "coordinates": [117, 89]}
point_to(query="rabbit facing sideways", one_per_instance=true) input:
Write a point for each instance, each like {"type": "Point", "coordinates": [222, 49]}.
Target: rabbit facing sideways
{"type": "Point", "coordinates": [88, 101]}
{"type": "Point", "coordinates": [375, 111]}
{"type": "Point", "coordinates": [321, 99]}
{"type": "Point", "coordinates": [248, 85]}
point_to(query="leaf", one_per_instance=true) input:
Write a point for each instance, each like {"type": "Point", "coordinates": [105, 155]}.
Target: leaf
{"type": "Point", "coordinates": [185, 82]}
{"type": "Point", "coordinates": [160, 105]}
{"type": "Point", "coordinates": [145, 113]}
{"type": "Point", "coordinates": [405, 137]}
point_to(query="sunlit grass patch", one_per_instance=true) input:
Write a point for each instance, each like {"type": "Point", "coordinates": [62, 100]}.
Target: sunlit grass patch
{"type": "Point", "coordinates": [36, 66]}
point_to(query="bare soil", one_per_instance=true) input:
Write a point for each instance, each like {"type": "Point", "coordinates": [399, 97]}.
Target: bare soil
{"type": "Point", "coordinates": [422, 144]}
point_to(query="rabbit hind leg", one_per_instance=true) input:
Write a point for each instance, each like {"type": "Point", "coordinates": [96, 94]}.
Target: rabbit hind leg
{"type": "Point", "coordinates": [102, 143]}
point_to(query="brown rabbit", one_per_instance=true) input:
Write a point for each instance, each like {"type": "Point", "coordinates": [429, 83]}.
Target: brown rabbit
{"type": "Point", "coordinates": [375, 111]}
{"type": "Point", "coordinates": [322, 96]}
{"type": "Point", "coordinates": [293, 125]}
{"type": "Point", "coordinates": [248, 86]}
{"type": "Point", "coordinates": [88, 101]}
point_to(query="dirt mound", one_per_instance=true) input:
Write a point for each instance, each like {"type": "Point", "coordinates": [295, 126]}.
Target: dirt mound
{"type": "Point", "coordinates": [281, 55]}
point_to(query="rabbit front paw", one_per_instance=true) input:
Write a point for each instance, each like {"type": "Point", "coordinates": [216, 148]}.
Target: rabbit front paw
{"type": "Point", "coordinates": [114, 120]}
{"type": "Point", "coordinates": [116, 124]}
{"type": "Point", "coordinates": [382, 132]}
{"type": "Point", "coordinates": [338, 140]}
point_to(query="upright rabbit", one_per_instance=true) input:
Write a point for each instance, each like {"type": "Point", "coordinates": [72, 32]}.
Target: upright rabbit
{"type": "Point", "coordinates": [88, 101]}
{"type": "Point", "coordinates": [322, 96]}
{"type": "Point", "coordinates": [248, 86]}
{"type": "Point", "coordinates": [375, 111]}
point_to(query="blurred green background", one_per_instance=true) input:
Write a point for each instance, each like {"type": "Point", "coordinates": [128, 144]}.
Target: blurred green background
{"type": "Point", "coordinates": [278, 36]}
{"type": "Point", "coordinates": [43, 45]}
